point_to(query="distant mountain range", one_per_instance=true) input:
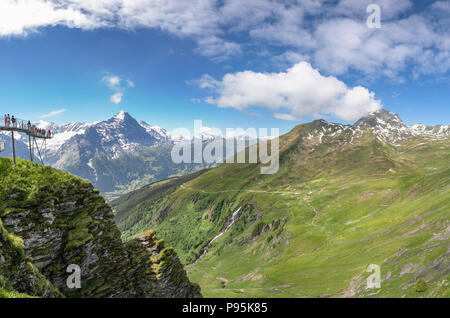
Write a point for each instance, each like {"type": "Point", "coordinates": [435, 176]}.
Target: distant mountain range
{"type": "Point", "coordinates": [122, 154]}
{"type": "Point", "coordinates": [345, 196]}
{"type": "Point", "coordinates": [115, 155]}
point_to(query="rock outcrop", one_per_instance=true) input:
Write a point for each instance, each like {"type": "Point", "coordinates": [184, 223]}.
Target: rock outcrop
{"type": "Point", "coordinates": [60, 220]}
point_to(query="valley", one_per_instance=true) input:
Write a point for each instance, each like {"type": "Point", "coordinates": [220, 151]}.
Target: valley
{"type": "Point", "coordinates": [345, 197]}
{"type": "Point", "coordinates": [248, 152]}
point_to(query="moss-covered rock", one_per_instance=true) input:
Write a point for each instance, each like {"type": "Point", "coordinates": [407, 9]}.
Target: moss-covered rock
{"type": "Point", "coordinates": [55, 219]}
{"type": "Point", "coordinates": [18, 276]}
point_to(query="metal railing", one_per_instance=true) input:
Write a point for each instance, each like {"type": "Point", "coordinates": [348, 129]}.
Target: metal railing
{"type": "Point", "coordinates": [25, 126]}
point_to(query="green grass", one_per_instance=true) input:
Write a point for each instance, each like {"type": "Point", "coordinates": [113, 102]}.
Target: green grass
{"type": "Point", "coordinates": [12, 294]}
{"type": "Point", "coordinates": [312, 229]}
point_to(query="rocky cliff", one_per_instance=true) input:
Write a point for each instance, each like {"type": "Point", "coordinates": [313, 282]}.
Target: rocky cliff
{"type": "Point", "coordinates": [50, 219]}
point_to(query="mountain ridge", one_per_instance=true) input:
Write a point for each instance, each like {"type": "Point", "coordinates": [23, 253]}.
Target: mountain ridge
{"type": "Point", "coordinates": [94, 151]}
{"type": "Point", "coordinates": [345, 196]}
{"type": "Point", "coordinates": [97, 151]}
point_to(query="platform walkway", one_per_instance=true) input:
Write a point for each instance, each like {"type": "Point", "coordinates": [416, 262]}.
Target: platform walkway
{"type": "Point", "coordinates": [33, 133]}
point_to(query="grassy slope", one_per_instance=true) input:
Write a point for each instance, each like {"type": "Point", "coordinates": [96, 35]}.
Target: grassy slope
{"type": "Point", "coordinates": [314, 227]}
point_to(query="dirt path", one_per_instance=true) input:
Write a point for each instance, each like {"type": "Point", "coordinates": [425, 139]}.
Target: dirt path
{"type": "Point", "coordinates": [316, 213]}
{"type": "Point", "coordinates": [242, 190]}
{"type": "Point", "coordinates": [222, 279]}
{"type": "Point", "coordinates": [305, 198]}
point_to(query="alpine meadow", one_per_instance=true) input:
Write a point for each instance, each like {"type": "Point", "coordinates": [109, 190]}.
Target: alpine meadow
{"type": "Point", "coordinates": [216, 157]}
{"type": "Point", "coordinates": [377, 192]}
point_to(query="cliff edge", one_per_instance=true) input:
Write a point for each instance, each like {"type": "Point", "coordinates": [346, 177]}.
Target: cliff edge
{"type": "Point", "coordinates": [50, 219]}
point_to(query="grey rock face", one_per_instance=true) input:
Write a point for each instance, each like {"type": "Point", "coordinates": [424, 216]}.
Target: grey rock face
{"type": "Point", "coordinates": [74, 225]}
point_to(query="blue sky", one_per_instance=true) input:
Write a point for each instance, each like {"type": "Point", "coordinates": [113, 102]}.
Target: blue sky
{"type": "Point", "coordinates": [229, 65]}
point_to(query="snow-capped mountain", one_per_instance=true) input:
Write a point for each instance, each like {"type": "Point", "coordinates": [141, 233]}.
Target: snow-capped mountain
{"type": "Point", "coordinates": [62, 133]}
{"type": "Point", "coordinates": [120, 152]}
{"type": "Point", "coordinates": [385, 125]}
{"type": "Point", "coordinates": [113, 137]}
{"type": "Point", "coordinates": [160, 134]}
{"type": "Point", "coordinates": [79, 147]}
{"type": "Point", "coordinates": [109, 139]}
{"type": "Point", "coordinates": [431, 131]}
{"type": "Point", "coordinates": [209, 134]}
{"type": "Point", "coordinates": [389, 126]}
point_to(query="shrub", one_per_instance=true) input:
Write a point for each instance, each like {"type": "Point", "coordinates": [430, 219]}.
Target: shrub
{"type": "Point", "coordinates": [258, 229]}
{"type": "Point", "coordinates": [421, 285]}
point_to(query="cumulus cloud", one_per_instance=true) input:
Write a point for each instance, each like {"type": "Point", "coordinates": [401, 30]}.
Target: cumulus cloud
{"type": "Point", "coordinates": [21, 17]}
{"type": "Point", "coordinates": [301, 90]}
{"type": "Point", "coordinates": [198, 20]}
{"type": "Point", "coordinates": [118, 85]}
{"type": "Point", "coordinates": [288, 58]}
{"type": "Point", "coordinates": [357, 8]}
{"type": "Point", "coordinates": [332, 35]}
{"type": "Point", "coordinates": [116, 98]}
{"type": "Point", "coordinates": [112, 81]}
{"type": "Point", "coordinates": [336, 39]}
{"type": "Point", "coordinates": [53, 113]}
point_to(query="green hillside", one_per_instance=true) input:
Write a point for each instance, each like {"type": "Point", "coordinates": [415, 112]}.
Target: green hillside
{"type": "Point", "coordinates": [343, 198]}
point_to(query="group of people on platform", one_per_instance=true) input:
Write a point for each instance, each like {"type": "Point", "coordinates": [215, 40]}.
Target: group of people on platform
{"type": "Point", "coordinates": [11, 121]}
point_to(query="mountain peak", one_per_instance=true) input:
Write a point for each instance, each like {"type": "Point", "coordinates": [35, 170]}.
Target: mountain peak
{"type": "Point", "coordinates": [381, 118]}
{"type": "Point", "coordinates": [122, 115]}
{"type": "Point", "coordinates": [384, 114]}
{"type": "Point", "coordinates": [384, 124]}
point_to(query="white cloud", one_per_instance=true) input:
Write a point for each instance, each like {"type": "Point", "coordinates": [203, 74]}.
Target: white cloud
{"type": "Point", "coordinates": [357, 8]}
{"type": "Point", "coordinates": [21, 17]}
{"type": "Point", "coordinates": [53, 113]}
{"type": "Point", "coordinates": [301, 90]}
{"type": "Point", "coordinates": [116, 98]}
{"type": "Point", "coordinates": [130, 83]}
{"type": "Point", "coordinates": [332, 35]}
{"type": "Point", "coordinates": [284, 116]}
{"type": "Point", "coordinates": [346, 44]}
{"type": "Point", "coordinates": [117, 84]}
{"type": "Point", "coordinates": [289, 58]}
{"type": "Point", "coordinates": [217, 48]}
{"type": "Point", "coordinates": [195, 19]}
{"type": "Point", "coordinates": [112, 81]}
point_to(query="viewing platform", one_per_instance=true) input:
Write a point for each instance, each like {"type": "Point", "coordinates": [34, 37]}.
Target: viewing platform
{"type": "Point", "coordinates": [23, 127]}
{"type": "Point", "coordinates": [33, 133]}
